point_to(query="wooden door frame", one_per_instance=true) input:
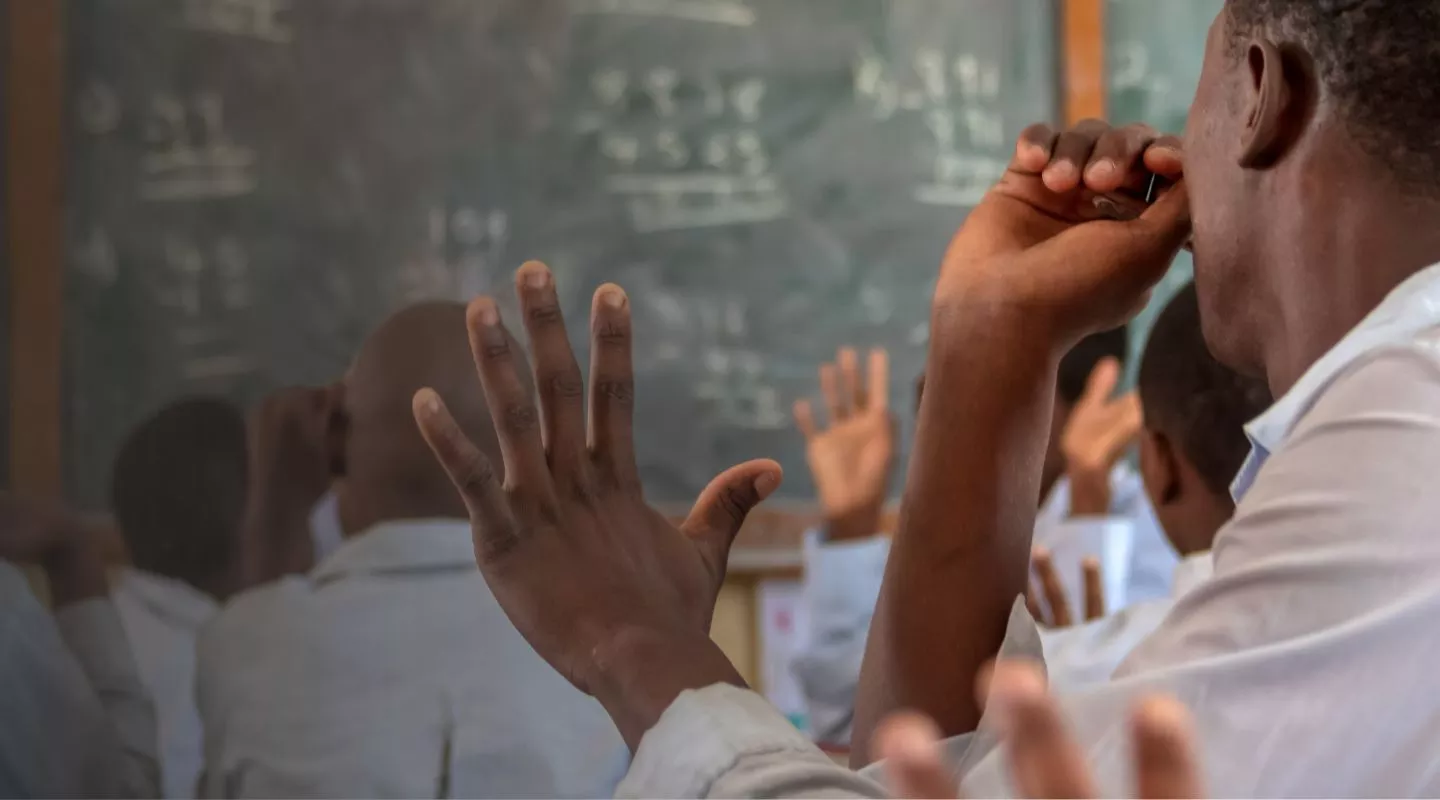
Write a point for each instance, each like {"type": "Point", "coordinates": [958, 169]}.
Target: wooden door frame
{"type": "Point", "coordinates": [34, 224]}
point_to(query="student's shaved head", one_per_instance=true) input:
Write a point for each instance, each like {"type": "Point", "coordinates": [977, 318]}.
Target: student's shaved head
{"type": "Point", "coordinates": [390, 473]}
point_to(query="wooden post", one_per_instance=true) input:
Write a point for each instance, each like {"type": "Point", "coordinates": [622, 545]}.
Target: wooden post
{"type": "Point", "coordinates": [34, 205]}
{"type": "Point", "coordinates": [1083, 47]}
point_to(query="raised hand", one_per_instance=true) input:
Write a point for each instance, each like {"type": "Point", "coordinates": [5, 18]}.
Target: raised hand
{"type": "Point", "coordinates": [70, 547]}
{"type": "Point", "coordinates": [851, 459]}
{"type": "Point", "coordinates": [1101, 428]}
{"type": "Point", "coordinates": [292, 462]}
{"type": "Point", "coordinates": [607, 591]}
{"type": "Point", "coordinates": [1045, 760]}
{"type": "Point", "coordinates": [1025, 246]}
{"type": "Point", "coordinates": [1053, 590]}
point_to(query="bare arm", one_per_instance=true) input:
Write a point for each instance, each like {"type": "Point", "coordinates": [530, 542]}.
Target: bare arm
{"type": "Point", "coordinates": [1030, 272]}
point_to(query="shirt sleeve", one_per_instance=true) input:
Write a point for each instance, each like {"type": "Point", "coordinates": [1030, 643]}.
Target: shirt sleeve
{"type": "Point", "coordinates": [94, 634]}
{"type": "Point", "coordinates": [842, 585]}
{"type": "Point", "coordinates": [723, 741]}
{"type": "Point", "coordinates": [1087, 654]}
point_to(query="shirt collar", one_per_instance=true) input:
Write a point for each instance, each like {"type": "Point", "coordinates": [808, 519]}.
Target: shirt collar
{"type": "Point", "coordinates": [416, 545]}
{"type": "Point", "coordinates": [1192, 571]}
{"type": "Point", "coordinates": [1410, 308]}
{"type": "Point", "coordinates": [169, 598]}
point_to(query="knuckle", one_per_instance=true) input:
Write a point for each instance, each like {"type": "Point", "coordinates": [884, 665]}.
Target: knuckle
{"type": "Point", "coordinates": [564, 385]}
{"type": "Point", "coordinates": [494, 541]}
{"type": "Point", "coordinates": [611, 332]}
{"type": "Point", "coordinates": [498, 350]}
{"type": "Point", "coordinates": [476, 475]}
{"type": "Point", "coordinates": [544, 314]}
{"type": "Point", "coordinates": [736, 501]}
{"type": "Point", "coordinates": [616, 391]}
{"type": "Point", "coordinates": [519, 418]}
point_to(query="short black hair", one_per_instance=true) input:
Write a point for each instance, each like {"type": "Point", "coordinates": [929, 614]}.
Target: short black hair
{"type": "Point", "coordinates": [1200, 403]}
{"type": "Point", "coordinates": [1379, 59]}
{"type": "Point", "coordinates": [1076, 366]}
{"type": "Point", "coordinates": [178, 489]}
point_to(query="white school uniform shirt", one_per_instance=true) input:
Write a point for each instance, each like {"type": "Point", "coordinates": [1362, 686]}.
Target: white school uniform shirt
{"type": "Point", "coordinates": [1088, 653]}
{"type": "Point", "coordinates": [391, 671]}
{"type": "Point", "coordinates": [842, 585]}
{"type": "Point", "coordinates": [75, 720]}
{"type": "Point", "coordinates": [1306, 660]}
{"type": "Point", "coordinates": [162, 619]}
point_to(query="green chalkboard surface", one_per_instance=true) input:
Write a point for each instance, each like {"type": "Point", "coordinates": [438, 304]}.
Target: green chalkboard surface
{"type": "Point", "coordinates": [254, 184]}
{"type": "Point", "coordinates": [1154, 51]}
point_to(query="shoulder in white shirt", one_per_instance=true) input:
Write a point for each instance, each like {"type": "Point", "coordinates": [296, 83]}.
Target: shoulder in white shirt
{"type": "Point", "coordinates": [391, 671]}
{"type": "Point", "coordinates": [842, 585]}
{"type": "Point", "coordinates": [162, 620]}
{"type": "Point", "coordinates": [1306, 659]}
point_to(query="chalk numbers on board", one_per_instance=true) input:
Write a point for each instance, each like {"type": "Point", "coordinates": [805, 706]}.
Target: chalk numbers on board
{"type": "Point", "coordinates": [464, 247]}
{"type": "Point", "coordinates": [958, 98]}
{"type": "Point", "coordinates": [189, 151]}
{"type": "Point", "coordinates": [683, 151]}
{"type": "Point", "coordinates": [205, 282]}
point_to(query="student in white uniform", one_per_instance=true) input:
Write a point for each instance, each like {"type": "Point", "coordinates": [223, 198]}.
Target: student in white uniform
{"type": "Point", "coordinates": [75, 718]}
{"type": "Point", "coordinates": [1311, 195]}
{"type": "Point", "coordinates": [1095, 505]}
{"type": "Point", "coordinates": [178, 492]}
{"type": "Point", "coordinates": [388, 669]}
{"type": "Point", "coordinates": [1192, 445]}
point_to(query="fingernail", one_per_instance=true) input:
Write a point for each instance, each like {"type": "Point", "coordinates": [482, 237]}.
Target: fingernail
{"type": "Point", "coordinates": [1102, 169]}
{"type": "Point", "coordinates": [766, 483]}
{"type": "Point", "coordinates": [1035, 151]}
{"type": "Point", "coordinates": [486, 312]}
{"type": "Point", "coordinates": [1062, 169]}
{"type": "Point", "coordinates": [613, 297]}
{"type": "Point", "coordinates": [537, 275]}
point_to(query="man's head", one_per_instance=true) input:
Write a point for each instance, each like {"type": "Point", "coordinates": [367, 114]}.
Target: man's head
{"type": "Point", "coordinates": [1312, 120]}
{"type": "Point", "coordinates": [178, 492]}
{"type": "Point", "coordinates": [387, 471]}
{"type": "Point", "coordinates": [1194, 439]}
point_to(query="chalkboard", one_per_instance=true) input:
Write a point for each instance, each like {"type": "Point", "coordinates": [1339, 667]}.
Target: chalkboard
{"type": "Point", "coordinates": [254, 184]}
{"type": "Point", "coordinates": [1154, 51]}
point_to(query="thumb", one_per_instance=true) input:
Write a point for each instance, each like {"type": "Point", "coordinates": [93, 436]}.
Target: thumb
{"type": "Point", "coordinates": [724, 504]}
{"type": "Point", "coordinates": [1167, 220]}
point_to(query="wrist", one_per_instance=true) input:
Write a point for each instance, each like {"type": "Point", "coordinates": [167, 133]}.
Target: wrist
{"type": "Point", "coordinates": [1089, 491]}
{"type": "Point", "coordinates": [852, 524]}
{"type": "Point", "coordinates": [75, 572]}
{"type": "Point", "coordinates": [639, 672]}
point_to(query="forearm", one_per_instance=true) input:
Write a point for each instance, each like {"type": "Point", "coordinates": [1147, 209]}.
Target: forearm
{"type": "Point", "coordinates": [960, 557]}
{"type": "Point", "coordinates": [276, 540]}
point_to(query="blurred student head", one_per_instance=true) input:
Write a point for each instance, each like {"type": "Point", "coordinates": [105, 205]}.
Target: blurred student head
{"type": "Point", "coordinates": [1194, 440]}
{"type": "Point", "coordinates": [178, 493]}
{"type": "Point", "coordinates": [386, 471]}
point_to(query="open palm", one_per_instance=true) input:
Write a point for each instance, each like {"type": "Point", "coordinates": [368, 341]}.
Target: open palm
{"type": "Point", "coordinates": [852, 458]}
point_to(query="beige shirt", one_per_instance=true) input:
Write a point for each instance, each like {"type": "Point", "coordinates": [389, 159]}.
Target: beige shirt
{"type": "Point", "coordinates": [1306, 660]}
{"type": "Point", "coordinates": [391, 671]}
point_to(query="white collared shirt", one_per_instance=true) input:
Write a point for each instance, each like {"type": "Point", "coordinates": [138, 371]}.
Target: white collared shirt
{"type": "Point", "coordinates": [391, 671]}
{"type": "Point", "coordinates": [1088, 653]}
{"type": "Point", "coordinates": [162, 620]}
{"type": "Point", "coordinates": [75, 720]}
{"type": "Point", "coordinates": [842, 585]}
{"type": "Point", "coordinates": [1307, 658]}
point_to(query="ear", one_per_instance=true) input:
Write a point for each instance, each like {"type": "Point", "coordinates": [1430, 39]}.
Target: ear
{"type": "Point", "coordinates": [1158, 468]}
{"type": "Point", "coordinates": [1270, 107]}
{"type": "Point", "coordinates": [337, 429]}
